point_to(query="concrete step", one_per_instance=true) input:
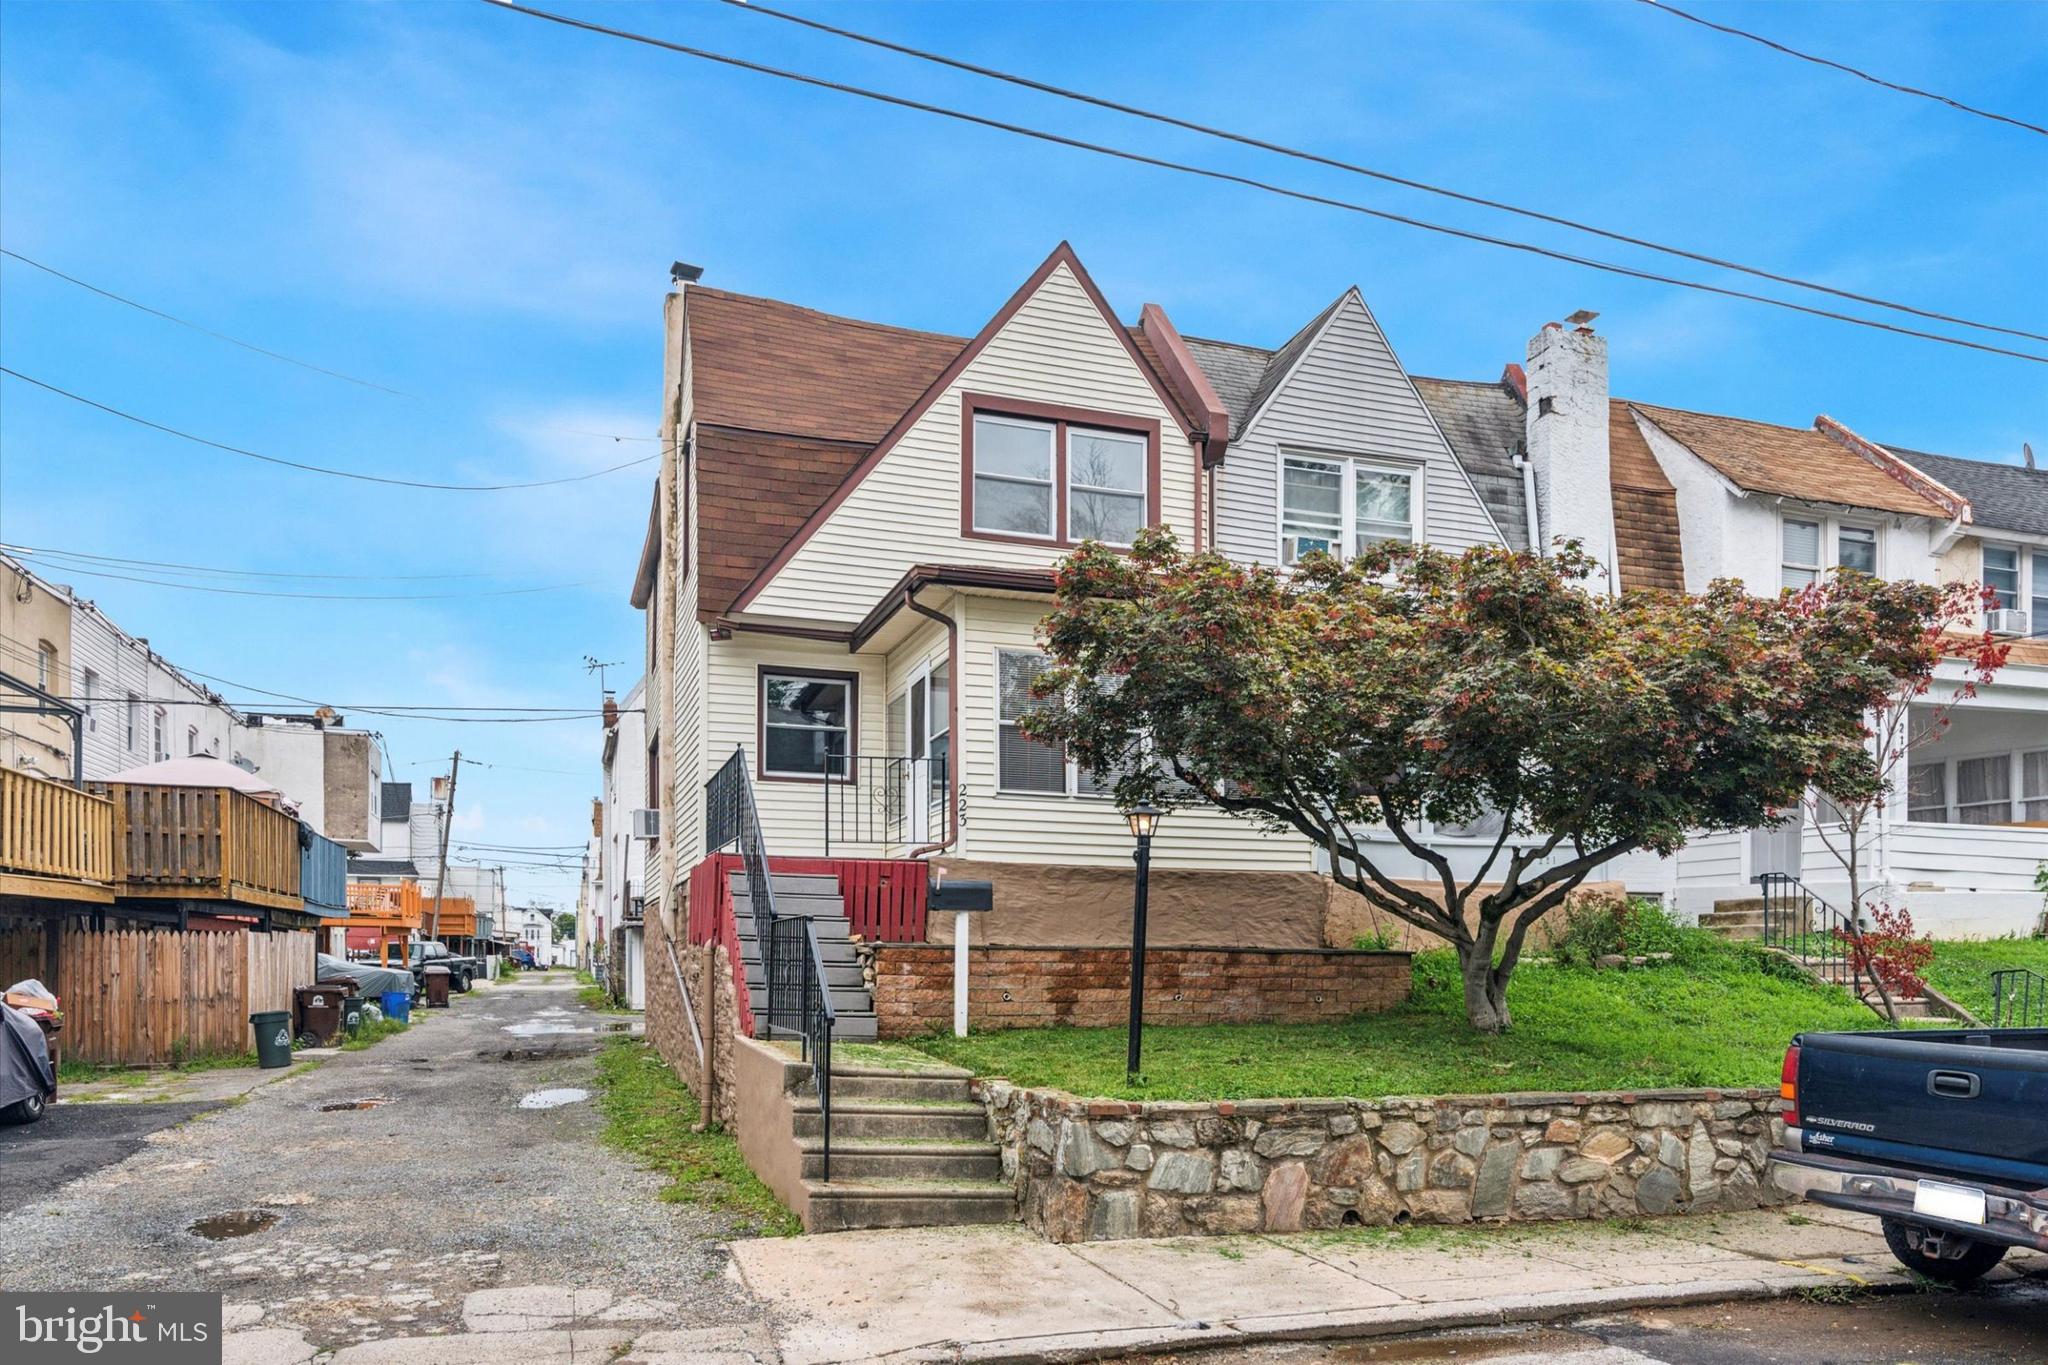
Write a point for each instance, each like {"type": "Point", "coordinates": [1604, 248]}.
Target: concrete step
{"type": "Point", "coordinates": [844, 1205]}
{"type": "Point", "coordinates": [851, 1085]}
{"type": "Point", "coordinates": [795, 883]}
{"type": "Point", "coordinates": [838, 975]}
{"type": "Point", "coordinates": [1734, 933]}
{"type": "Point", "coordinates": [891, 1119]}
{"type": "Point", "coordinates": [858, 1159]}
{"type": "Point", "coordinates": [1741, 905]}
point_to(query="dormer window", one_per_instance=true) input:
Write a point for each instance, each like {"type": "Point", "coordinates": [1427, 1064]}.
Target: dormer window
{"type": "Point", "coordinates": [1058, 476]}
{"type": "Point", "coordinates": [1810, 544]}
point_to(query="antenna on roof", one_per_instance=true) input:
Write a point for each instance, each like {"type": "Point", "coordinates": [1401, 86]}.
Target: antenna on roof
{"type": "Point", "coordinates": [682, 272]}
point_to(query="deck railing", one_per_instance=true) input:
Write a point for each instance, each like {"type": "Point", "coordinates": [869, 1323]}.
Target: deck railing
{"type": "Point", "coordinates": [877, 799]}
{"type": "Point", "coordinates": [398, 902]}
{"type": "Point", "coordinates": [204, 843]}
{"type": "Point", "coordinates": [48, 829]}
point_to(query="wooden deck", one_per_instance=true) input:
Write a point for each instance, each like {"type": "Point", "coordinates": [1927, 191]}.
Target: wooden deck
{"type": "Point", "coordinates": [204, 843]}
{"type": "Point", "coordinates": [55, 841]}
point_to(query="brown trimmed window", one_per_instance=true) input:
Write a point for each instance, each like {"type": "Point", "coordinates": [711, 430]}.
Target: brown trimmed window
{"type": "Point", "coordinates": [807, 723]}
{"type": "Point", "coordinates": [1038, 473]}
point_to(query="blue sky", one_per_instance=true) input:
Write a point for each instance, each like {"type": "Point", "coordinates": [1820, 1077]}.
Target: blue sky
{"type": "Point", "coordinates": [480, 209]}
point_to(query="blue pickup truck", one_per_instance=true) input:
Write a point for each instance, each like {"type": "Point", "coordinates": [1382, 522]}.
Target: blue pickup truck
{"type": "Point", "coordinates": [1941, 1133]}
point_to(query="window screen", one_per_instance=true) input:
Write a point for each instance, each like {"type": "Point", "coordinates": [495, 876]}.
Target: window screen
{"type": "Point", "coordinates": [1024, 764]}
{"type": "Point", "coordinates": [1984, 790]}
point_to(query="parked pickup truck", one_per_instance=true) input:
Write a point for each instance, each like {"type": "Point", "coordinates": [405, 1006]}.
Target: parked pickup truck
{"type": "Point", "coordinates": [1942, 1134]}
{"type": "Point", "coordinates": [427, 953]}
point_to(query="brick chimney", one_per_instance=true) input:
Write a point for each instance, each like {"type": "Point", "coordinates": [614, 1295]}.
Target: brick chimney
{"type": "Point", "coordinates": [1567, 437]}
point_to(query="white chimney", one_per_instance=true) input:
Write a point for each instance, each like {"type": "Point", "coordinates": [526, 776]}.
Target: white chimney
{"type": "Point", "coordinates": [1567, 435]}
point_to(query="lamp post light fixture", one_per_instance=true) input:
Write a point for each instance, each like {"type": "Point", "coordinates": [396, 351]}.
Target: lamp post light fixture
{"type": "Point", "coordinates": [1144, 822]}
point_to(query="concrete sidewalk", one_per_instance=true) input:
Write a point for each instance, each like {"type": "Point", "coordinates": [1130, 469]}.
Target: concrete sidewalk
{"type": "Point", "coordinates": [1001, 1294]}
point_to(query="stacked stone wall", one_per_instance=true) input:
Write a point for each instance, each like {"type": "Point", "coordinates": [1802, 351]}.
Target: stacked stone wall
{"type": "Point", "coordinates": [1094, 1170]}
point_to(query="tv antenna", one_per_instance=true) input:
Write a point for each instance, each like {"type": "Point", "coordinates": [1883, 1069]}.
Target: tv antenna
{"type": "Point", "coordinates": [592, 664]}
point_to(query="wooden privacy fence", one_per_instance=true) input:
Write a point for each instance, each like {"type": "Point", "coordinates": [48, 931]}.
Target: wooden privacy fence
{"type": "Point", "coordinates": [50, 830]}
{"type": "Point", "coordinates": [138, 997]}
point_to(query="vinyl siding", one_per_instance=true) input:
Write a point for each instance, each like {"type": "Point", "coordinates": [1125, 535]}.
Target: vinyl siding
{"type": "Point", "coordinates": [1057, 348]}
{"type": "Point", "coordinates": [1075, 830]}
{"type": "Point", "coordinates": [121, 664]}
{"type": "Point", "coordinates": [1348, 395]}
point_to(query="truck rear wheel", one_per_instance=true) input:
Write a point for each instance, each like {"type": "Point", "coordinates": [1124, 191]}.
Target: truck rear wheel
{"type": "Point", "coordinates": [1942, 1256]}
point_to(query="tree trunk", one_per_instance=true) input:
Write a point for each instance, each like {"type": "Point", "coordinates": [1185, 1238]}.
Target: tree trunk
{"type": "Point", "coordinates": [1486, 989]}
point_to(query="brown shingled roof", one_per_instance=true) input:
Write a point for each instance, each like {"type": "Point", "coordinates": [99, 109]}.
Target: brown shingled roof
{"type": "Point", "coordinates": [1645, 508]}
{"type": "Point", "coordinates": [1795, 462]}
{"type": "Point", "coordinates": [763, 365]}
{"type": "Point", "coordinates": [754, 490]}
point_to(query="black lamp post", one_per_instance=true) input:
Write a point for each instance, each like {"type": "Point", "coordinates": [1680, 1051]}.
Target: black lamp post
{"type": "Point", "coordinates": [1144, 822]}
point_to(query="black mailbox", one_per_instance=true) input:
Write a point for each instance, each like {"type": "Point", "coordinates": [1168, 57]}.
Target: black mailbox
{"type": "Point", "coordinates": [961, 896]}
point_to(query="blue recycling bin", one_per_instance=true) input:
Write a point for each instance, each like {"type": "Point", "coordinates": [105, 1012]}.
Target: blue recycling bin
{"type": "Point", "coordinates": [398, 1005]}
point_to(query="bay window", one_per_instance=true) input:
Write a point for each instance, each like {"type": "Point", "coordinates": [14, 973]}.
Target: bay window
{"type": "Point", "coordinates": [1340, 506]}
{"type": "Point", "coordinates": [807, 726]}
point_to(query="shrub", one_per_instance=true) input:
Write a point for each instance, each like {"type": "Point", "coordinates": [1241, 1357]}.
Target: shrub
{"type": "Point", "coordinates": [1896, 956]}
{"type": "Point", "coordinates": [1380, 940]}
{"type": "Point", "coordinates": [1592, 929]}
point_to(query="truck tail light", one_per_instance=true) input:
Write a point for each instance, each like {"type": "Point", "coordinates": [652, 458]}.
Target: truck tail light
{"type": "Point", "coordinates": [1788, 1085]}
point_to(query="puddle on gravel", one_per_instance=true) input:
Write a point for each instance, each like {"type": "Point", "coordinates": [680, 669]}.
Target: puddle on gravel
{"type": "Point", "coordinates": [240, 1223]}
{"type": "Point", "coordinates": [552, 1099]}
{"type": "Point", "coordinates": [367, 1102]}
{"type": "Point", "coordinates": [538, 1027]}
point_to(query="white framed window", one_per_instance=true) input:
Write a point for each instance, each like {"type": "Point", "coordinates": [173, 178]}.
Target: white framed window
{"type": "Point", "coordinates": [191, 739]}
{"type": "Point", "coordinates": [1799, 559]}
{"type": "Point", "coordinates": [1984, 790]}
{"type": "Point", "coordinates": [2037, 599]}
{"type": "Point", "coordinates": [1856, 548]}
{"type": "Point", "coordinates": [1340, 505]}
{"type": "Point", "coordinates": [90, 684]}
{"type": "Point", "coordinates": [2002, 573]}
{"type": "Point", "coordinates": [46, 665]}
{"type": "Point", "coordinates": [1024, 764]}
{"type": "Point", "coordinates": [1015, 473]}
{"type": "Point", "coordinates": [158, 742]}
{"type": "Point", "coordinates": [1927, 793]}
{"type": "Point", "coordinates": [1106, 475]}
{"type": "Point", "coordinates": [807, 723]}
{"type": "Point", "coordinates": [134, 720]}
{"type": "Point", "coordinates": [2034, 786]}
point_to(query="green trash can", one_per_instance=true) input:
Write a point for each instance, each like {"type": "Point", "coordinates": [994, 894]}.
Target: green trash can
{"type": "Point", "coordinates": [273, 1038]}
{"type": "Point", "coordinates": [351, 1013]}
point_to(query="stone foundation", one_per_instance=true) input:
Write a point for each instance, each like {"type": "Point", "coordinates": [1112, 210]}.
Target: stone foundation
{"type": "Point", "coordinates": [1030, 987]}
{"type": "Point", "coordinates": [1094, 1170]}
{"type": "Point", "coordinates": [669, 1030]}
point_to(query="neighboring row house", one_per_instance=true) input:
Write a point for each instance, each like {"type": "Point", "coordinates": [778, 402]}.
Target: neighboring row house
{"type": "Point", "coordinates": [853, 538]}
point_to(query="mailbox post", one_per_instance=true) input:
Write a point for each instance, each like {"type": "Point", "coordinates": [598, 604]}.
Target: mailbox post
{"type": "Point", "coordinates": [964, 900]}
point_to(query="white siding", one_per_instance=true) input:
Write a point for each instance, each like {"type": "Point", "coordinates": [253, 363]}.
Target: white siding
{"type": "Point", "coordinates": [1057, 348]}
{"type": "Point", "coordinates": [624, 858]}
{"type": "Point", "coordinates": [1075, 830]}
{"type": "Point", "coordinates": [1347, 395]}
{"type": "Point", "coordinates": [122, 664]}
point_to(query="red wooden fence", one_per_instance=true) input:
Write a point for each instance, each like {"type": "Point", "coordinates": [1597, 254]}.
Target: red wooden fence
{"type": "Point", "coordinates": [885, 902]}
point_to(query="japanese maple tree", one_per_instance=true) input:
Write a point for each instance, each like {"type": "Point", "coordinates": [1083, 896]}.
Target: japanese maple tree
{"type": "Point", "coordinates": [1350, 702]}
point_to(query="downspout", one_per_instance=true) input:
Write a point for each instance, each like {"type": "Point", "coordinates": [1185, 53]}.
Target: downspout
{"type": "Point", "coordinates": [1528, 469]}
{"type": "Point", "coordinates": [953, 750]}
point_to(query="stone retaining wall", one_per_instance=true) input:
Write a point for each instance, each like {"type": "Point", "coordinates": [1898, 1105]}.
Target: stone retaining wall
{"type": "Point", "coordinates": [668, 1028]}
{"type": "Point", "coordinates": [1033, 986]}
{"type": "Point", "coordinates": [1094, 1170]}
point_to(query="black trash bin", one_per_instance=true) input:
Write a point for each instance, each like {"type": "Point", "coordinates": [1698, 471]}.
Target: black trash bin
{"type": "Point", "coordinates": [273, 1038]}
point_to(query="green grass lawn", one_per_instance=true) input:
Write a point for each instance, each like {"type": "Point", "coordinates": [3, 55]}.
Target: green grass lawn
{"type": "Point", "coordinates": [1962, 971]}
{"type": "Point", "coordinates": [1718, 1016]}
{"type": "Point", "coordinates": [648, 1112]}
{"type": "Point", "coordinates": [369, 1035]}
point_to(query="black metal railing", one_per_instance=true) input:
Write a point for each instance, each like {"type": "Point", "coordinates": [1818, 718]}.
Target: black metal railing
{"type": "Point", "coordinates": [1803, 925]}
{"type": "Point", "coordinates": [2019, 998]}
{"type": "Point", "coordinates": [876, 799]}
{"type": "Point", "coordinates": [798, 1002]}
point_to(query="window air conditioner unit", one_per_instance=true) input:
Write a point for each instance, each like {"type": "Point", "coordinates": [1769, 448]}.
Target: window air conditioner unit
{"type": "Point", "coordinates": [2006, 621]}
{"type": "Point", "coordinates": [646, 824]}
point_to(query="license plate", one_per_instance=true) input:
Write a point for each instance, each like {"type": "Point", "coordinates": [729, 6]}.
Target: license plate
{"type": "Point", "coordinates": [1956, 1203]}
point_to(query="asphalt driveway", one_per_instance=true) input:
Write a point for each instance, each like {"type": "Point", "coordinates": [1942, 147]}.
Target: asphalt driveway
{"type": "Point", "coordinates": [74, 1140]}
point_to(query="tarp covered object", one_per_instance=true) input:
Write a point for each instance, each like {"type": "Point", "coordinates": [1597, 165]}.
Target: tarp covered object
{"type": "Point", "coordinates": [373, 979]}
{"type": "Point", "coordinates": [25, 1069]}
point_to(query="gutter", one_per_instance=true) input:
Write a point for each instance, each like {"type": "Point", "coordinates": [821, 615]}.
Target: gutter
{"type": "Point", "coordinates": [1528, 468]}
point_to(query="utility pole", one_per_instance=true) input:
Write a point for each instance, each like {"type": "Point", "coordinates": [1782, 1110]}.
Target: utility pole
{"type": "Point", "coordinates": [447, 824]}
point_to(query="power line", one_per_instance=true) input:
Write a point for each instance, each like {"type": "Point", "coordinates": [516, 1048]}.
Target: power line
{"type": "Point", "coordinates": [265, 351]}
{"type": "Point", "coordinates": [1333, 163]}
{"type": "Point", "coordinates": [322, 469]}
{"type": "Point", "coordinates": [70, 569]}
{"type": "Point", "coordinates": [47, 550]}
{"type": "Point", "coordinates": [1248, 182]}
{"type": "Point", "coordinates": [1843, 67]}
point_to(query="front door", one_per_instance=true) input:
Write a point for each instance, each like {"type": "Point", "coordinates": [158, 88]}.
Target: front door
{"type": "Point", "coordinates": [927, 745]}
